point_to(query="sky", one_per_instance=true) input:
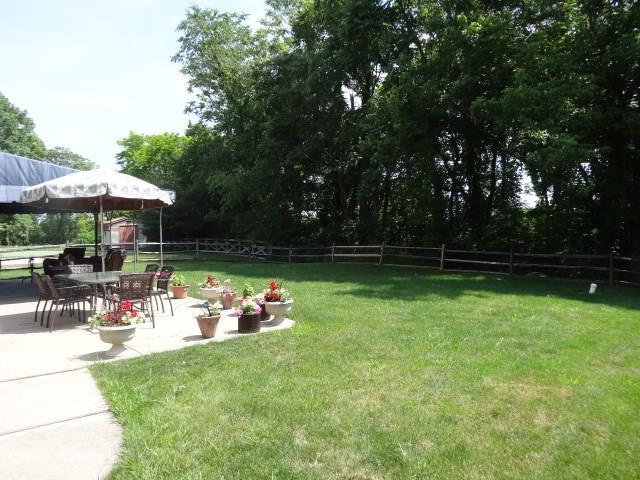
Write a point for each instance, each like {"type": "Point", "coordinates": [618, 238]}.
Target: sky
{"type": "Point", "coordinates": [88, 72]}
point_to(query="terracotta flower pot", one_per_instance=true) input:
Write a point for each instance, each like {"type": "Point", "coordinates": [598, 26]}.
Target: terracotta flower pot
{"type": "Point", "coordinates": [227, 300]}
{"type": "Point", "coordinates": [179, 291]}
{"type": "Point", "coordinates": [208, 325]}
{"type": "Point", "coordinates": [237, 301]}
{"type": "Point", "coordinates": [249, 323]}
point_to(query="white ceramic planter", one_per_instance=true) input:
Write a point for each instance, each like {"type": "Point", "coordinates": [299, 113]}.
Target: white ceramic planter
{"type": "Point", "coordinates": [117, 335]}
{"type": "Point", "coordinates": [210, 293]}
{"type": "Point", "coordinates": [278, 310]}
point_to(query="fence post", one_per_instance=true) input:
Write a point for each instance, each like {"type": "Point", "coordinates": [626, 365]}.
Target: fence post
{"type": "Point", "coordinates": [289, 254]}
{"type": "Point", "coordinates": [610, 267]}
{"type": "Point", "coordinates": [442, 258]}
{"type": "Point", "coordinates": [511, 261]}
{"type": "Point", "coordinates": [197, 247]}
{"type": "Point", "coordinates": [333, 252]}
{"type": "Point", "coordinates": [381, 253]}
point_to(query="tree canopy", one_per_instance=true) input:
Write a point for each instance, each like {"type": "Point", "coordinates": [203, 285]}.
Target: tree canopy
{"type": "Point", "coordinates": [17, 136]}
{"type": "Point", "coordinates": [413, 122]}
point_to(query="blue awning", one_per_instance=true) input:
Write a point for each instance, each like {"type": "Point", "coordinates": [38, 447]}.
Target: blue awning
{"type": "Point", "coordinates": [17, 172]}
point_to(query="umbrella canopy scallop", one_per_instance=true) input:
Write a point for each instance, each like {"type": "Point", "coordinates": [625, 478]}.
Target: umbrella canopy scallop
{"type": "Point", "coordinates": [84, 191]}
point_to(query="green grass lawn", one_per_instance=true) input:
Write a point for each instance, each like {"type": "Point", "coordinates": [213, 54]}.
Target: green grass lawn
{"type": "Point", "coordinates": [394, 373]}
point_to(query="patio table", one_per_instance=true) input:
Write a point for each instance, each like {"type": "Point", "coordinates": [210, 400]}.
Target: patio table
{"type": "Point", "coordinates": [94, 279]}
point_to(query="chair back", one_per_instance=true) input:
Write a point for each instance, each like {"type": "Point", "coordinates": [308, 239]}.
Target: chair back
{"type": "Point", "coordinates": [43, 291]}
{"type": "Point", "coordinates": [51, 287]}
{"type": "Point", "coordinates": [135, 286]}
{"type": "Point", "coordinates": [166, 273]}
{"type": "Point", "coordinates": [152, 267]}
{"type": "Point", "coordinates": [114, 262]}
{"type": "Point", "coordinates": [79, 268]}
{"type": "Point", "coordinates": [76, 252]}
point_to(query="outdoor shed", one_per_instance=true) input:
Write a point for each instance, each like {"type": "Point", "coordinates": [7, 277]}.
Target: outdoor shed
{"type": "Point", "coordinates": [121, 231]}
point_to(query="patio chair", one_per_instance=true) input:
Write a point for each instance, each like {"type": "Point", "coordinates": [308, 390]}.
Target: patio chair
{"type": "Point", "coordinates": [162, 286]}
{"type": "Point", "coordinates": [137, 289]}
{"type": "Point", "coordinates": [68, 256]}
{"type": "Point", "coordinates": [79, 268]}
{"type": "Point", "coordinates": [115, 261]}
{"type": "Point", "coordinates": [68, 297]}
{"type": "Point", "coordinates": [43, 294]}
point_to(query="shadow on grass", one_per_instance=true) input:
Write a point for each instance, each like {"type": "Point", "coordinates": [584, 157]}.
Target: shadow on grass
{"type": "Point", "coordinates": [373, 282]}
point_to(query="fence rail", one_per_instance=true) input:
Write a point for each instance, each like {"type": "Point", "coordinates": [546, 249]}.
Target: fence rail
{"type": "Point", "coordinates": [603, 268]}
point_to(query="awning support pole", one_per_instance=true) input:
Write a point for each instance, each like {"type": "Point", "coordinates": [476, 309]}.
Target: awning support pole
{"type": "Point", "coordinates": [95, 234]}
{"type": "Point", "coordinates": [161, 255]}
{"type": "Point", "coordinates": [102, 240]}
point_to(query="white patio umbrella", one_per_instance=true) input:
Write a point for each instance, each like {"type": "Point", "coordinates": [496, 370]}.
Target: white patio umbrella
{"type": "Point", "coordinates": [96, 191]}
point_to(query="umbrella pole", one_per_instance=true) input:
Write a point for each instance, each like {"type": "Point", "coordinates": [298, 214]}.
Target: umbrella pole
{"type": "Point", "coordinates": [95, 234]}
{"type": "Point", "coordinates": [102, 240]}
{"type": "Point", "coordinates": [135, 250]}
{"type": "Point", "coordinates": [161, 256]}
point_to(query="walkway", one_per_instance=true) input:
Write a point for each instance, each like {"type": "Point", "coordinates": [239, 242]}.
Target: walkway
{"type": "Point", "coordinates": [54, 423]}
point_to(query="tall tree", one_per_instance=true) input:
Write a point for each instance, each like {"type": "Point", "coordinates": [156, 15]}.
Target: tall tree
{"type": "Point", "coordinates": [17, 134]}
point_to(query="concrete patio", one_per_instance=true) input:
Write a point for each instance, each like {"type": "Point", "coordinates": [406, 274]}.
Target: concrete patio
{"type": "Point", "coordinates": [54, 422]}
{"type": "Point", "coordinates": [27, 349]}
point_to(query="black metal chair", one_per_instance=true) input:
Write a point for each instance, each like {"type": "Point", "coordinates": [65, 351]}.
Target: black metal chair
{"type": "Point", "coordinates": [137, 289]}
{"type": "Point", "coordinates": [43, 294]}
{"type": "Point", "coordinates": [67, 297]}
{"type": "Point", "coordinates": [162, 286]}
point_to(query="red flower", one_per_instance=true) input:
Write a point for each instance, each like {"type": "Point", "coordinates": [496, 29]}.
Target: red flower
{"type": "Point", "coordinates": [127, 306]}
{"type": "Point", "coordinates": [276, 296]}
{"type": "Point", "coordinates": [273, 285]}
{"type": "Point", "coordinates": [134, 314]}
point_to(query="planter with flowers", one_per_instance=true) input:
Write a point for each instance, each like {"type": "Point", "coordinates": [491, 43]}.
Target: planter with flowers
{"type": "Point", "coordinates": [247, 293]}
{"type": "Point", "coordinates": [227, 294]}
{"type": "Point", "coordinates": [210, 288]}
{"type": "Point", "coordinates": [179, 286]}
{"type": "Point", "coordinates": [264, 315]}
{"type": "Point", "coordinates": [248, 317]}
{"type": "Point", "coordinates": [277, 301]}
{"type": "Point", "coordinates": [208, 321]}
{"type": "Point", "coordinates": [117, 326]}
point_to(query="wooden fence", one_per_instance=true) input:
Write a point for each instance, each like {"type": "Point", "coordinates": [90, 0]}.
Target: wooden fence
{"type": "Point", "coordinates": [603, 268]}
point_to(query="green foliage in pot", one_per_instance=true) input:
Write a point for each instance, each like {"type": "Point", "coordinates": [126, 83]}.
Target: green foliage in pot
{"type": "Point", "coordinates": [179, 280]}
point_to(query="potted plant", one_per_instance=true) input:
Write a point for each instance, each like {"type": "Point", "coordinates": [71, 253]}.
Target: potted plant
{"type": "Point", "coordinates": [179, 286]}
{"type": "Point", "coordinates": [210, 288]}
{"type": "Point", "coordinates": [208, 321]}
{"type": "Point", "coordinates": [248, 317]}
{"type": "Point", "coordinates": [247, 292]}
{"type": "Point", "coordinates": [227, 294]}
{"type": "Point", "coordinates": [117, 326]}
{"type": "Point", "coordinates": [277, 301]}
{"type": "Point", "coordinates": [264, 315]}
